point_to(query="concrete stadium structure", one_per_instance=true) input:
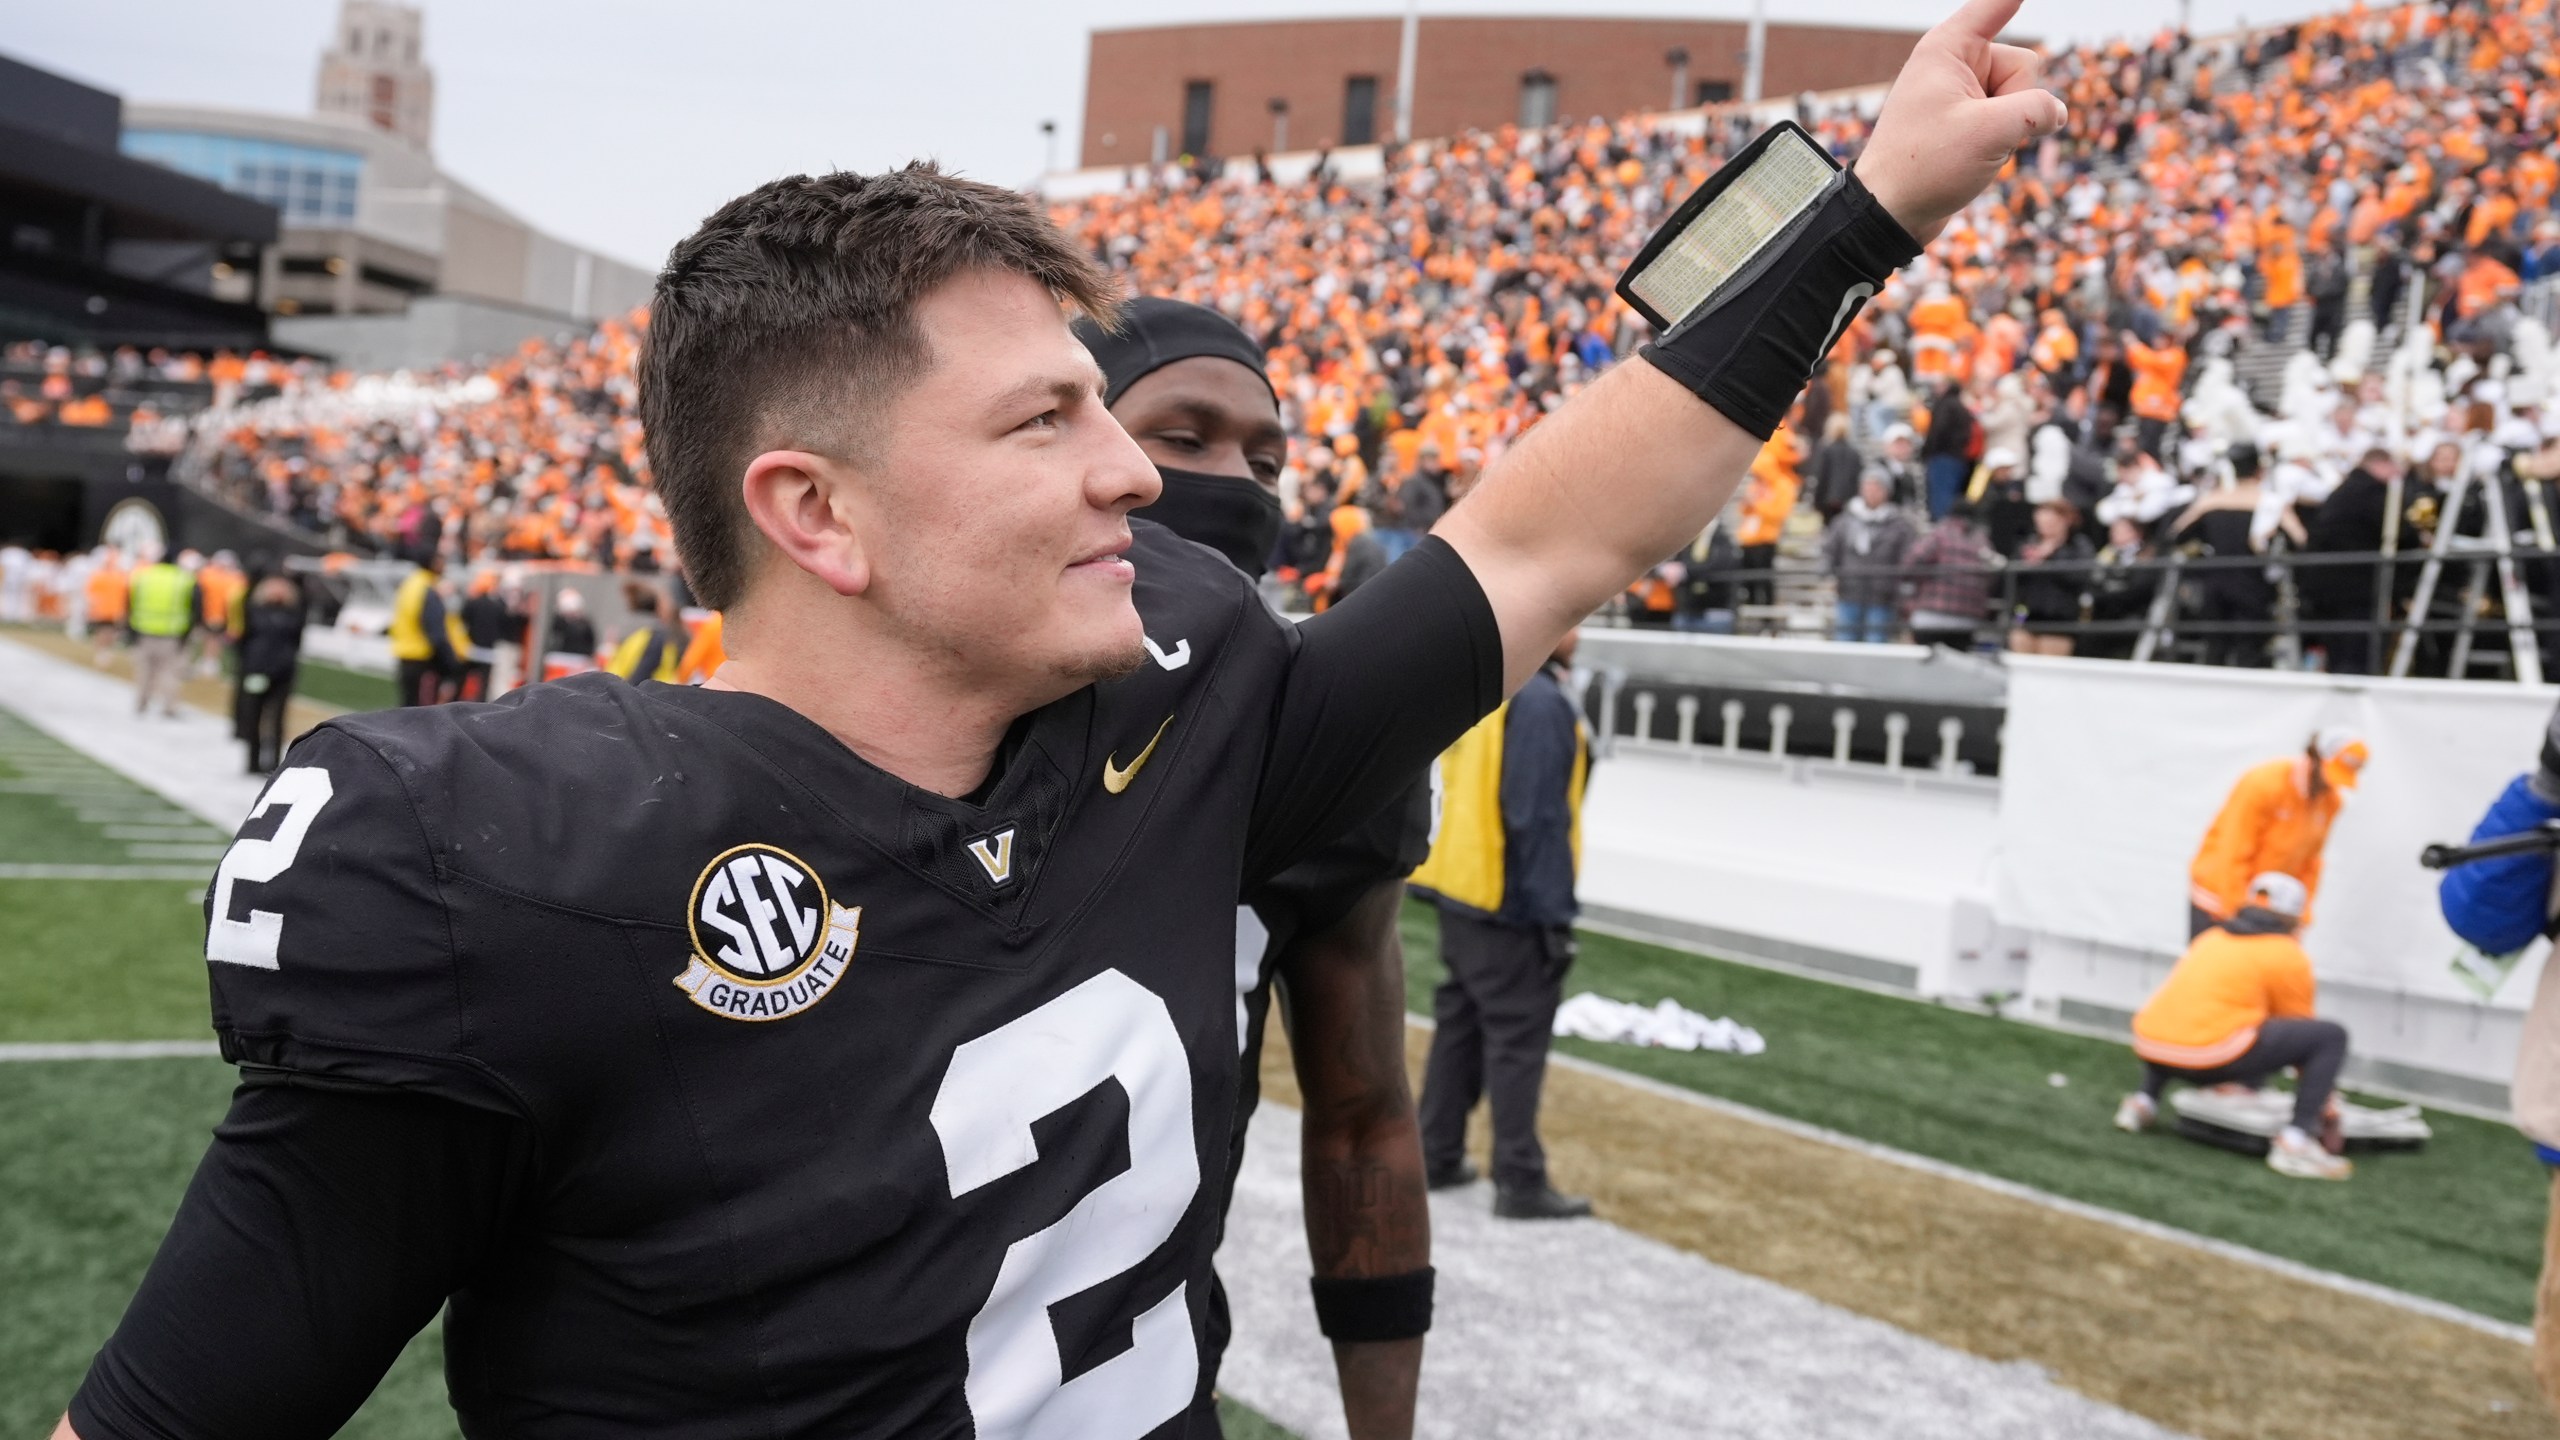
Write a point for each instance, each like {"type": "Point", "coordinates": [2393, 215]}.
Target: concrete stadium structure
{"type": "Point", "coordinates": [1155, 93]}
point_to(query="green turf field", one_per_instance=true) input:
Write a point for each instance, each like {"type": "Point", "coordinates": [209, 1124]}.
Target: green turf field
{"type": "Point", "coordinates": [94, 1153]}
{"type": "Point", "coordinates": [2460, 1221]}
{"type": "Point", "coordinates": [347, 689]}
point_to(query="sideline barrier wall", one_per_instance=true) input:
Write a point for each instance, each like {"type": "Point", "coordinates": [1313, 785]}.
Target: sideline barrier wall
{"type": "Point", "coordinates": [2062, 882]}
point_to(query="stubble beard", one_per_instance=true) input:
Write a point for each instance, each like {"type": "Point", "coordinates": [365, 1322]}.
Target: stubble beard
{"type": "Point", "coordinates": [1106, 665]}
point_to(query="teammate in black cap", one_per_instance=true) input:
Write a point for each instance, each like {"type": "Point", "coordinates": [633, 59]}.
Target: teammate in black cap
{"type": "Point", "coordinates": [1191, 389]}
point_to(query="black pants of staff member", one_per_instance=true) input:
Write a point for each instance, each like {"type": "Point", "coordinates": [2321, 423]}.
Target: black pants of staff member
{"type": "Point", "coordinates": [2318, 1048]}
{"type": "Point", "coordinates": [1496, 1016]}
{"type": "Point", "coordinates": [258, 718]}
{"type": "Point", "coordinates": [422, 682]}
{"type": "Point", "coordinates": [1760, 561]}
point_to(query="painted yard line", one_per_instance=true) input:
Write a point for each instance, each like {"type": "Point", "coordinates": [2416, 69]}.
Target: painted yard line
{"type": "Point", "coordinates": [101, 872]}
{"type": "Point", "coordinates": [2291, 1269]}
{"type": "Point", "coordinates": [209, 850]}
{"type": "Point", "coordinates": [190, 830]}
{"type": "Point", "coordinates": [109, 1050]}
{"type": "Point", "coordinates": [100, 782]}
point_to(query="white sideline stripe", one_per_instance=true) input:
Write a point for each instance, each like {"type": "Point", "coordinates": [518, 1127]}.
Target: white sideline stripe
{"type": "Point", "coordinates": [109, 1050]}
{"type": "Point", "coordinates": [191, 761]}
{"type": "Point", "coordinates": [2290, 1269]}
{"type": "Point", "coordinates": [16, 871]}
{"type": "Point", "coordinates": [1562, 1330]}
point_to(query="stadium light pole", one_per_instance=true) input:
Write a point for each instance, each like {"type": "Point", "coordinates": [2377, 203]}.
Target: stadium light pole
{"type": "Point", "coordinates": [1049, 137]}
{"type": "Point", "coordinates": [1404, 71]}
{"type": "Point", "coordinates": [1756, 48]}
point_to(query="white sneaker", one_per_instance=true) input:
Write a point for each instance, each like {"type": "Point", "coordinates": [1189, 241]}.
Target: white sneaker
{"type": "Point", "coordinates": [2298, 1155]}
{"type": "Point", "coordinates": [2136, 1113]}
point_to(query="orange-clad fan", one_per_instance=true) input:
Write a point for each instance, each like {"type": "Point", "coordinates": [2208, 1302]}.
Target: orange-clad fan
{"type": "Point", "coordinates": [220, 589]}
{"type": "Point", "coordinates": [2276, 819]}
{"type": "Point", "coordinates": [2237, 1008]}
{"type": "Point", "coordinates": [1458, 299]}
{"type": "Point", "coordinates": [1768, 497]}
{"type": "Point", "coordinates": [2157, 369]}
{"type": "Point", "coordinates": [703, 653]}
{"type": "Point", "coordinates": [108, 587]}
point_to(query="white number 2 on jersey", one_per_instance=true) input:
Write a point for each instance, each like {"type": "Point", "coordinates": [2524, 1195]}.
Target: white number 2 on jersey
{"type": "Point", "coordinates": [302, 790]}
{"type": "Point", "coordinates": [1108, 1028]}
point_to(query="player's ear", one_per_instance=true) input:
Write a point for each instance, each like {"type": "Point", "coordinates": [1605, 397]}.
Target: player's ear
{"type": "Point", "coordinates": [804, 504]}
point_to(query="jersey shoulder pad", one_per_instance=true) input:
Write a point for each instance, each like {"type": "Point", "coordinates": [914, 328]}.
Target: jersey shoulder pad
{"type": "Point", "coordinates": [1184, 586]}
{"type": "Point", "coordinates": [327, 933]}
{"type": "Point", "coordinates": [565, 793]}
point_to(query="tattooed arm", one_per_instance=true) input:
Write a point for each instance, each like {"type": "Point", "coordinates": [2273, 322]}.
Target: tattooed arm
{"type": "Point", "coordinates": [1362, 1150]}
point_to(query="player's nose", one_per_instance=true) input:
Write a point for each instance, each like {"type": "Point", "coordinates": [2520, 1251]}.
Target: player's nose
{"type": "Point", "coordinates": [1120, 476]}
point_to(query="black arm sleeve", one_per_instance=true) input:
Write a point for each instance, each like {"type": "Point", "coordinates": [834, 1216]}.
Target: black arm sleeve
{"type": "Point", "coordinates": [1380, 685]}
{"type": "Point", "coordinates": [323, 1229]}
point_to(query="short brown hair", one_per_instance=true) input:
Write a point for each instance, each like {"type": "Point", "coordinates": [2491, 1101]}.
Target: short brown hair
{"type": "Point", "coordinates": [788, 321]}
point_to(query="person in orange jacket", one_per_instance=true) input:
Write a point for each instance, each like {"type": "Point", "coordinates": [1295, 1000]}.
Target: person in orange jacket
{"type": "Point", "coordinates": [1769, 494]}
{"type": "Point", "coordinates": [2238, 1008]}
{"type": "Point", "coordinates": [2277, 819]}
{"type": "Point", "coordinates": [108, 589]}
{"type": "Point", "coordinates": [2158, 371]}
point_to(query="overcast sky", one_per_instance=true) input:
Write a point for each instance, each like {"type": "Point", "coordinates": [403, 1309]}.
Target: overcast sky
{"type": "Point", "coordinates": [618, 124]}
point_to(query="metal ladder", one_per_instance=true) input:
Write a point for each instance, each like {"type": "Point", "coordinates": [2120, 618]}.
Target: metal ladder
{"type": "Point", "coordinates": [2493, 554]}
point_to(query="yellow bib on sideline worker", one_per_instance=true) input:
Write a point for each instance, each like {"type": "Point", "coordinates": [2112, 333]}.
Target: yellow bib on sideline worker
{"type": "Point", "coordinates": [164, 601]}
{"type": "Point", "coordinates": [1467, 851]}
{"type": "Point", "coordinates": [408, 623]}
{"type": "Point", "coordinates": [628, 655]}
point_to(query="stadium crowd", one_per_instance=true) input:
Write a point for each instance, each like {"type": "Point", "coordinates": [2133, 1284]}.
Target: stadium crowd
{"type": "Point", "coordinates": [2067, 386]}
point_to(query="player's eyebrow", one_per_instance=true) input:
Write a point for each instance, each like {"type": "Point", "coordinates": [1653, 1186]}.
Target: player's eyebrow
{"type": "Point", "coordinates": [1062, 389]}
{"type": "Point", "coordinates": [1204, 415]}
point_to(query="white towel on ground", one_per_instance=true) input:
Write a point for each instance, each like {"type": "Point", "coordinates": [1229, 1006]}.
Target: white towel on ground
{"type": "Point", "coordinates": [1666, 1025]}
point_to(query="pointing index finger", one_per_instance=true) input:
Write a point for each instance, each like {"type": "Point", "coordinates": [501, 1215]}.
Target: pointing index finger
{"type": "Point", "coordinates": [1981, 21]}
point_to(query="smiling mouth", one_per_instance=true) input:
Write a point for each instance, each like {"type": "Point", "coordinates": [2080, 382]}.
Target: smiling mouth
{"type": "Point", "coordinates": [1114, 558]}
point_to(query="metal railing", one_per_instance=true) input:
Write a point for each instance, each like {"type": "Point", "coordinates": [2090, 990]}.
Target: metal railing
{"type": "Point", "coordinates": [2155, 608]}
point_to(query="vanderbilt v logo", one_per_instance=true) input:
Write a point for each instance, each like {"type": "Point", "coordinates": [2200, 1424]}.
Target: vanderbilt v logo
{"type": "Point", "coordinates": [994, 854]}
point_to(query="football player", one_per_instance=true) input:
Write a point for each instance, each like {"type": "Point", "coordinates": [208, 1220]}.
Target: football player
{"type": "Point", "coordinates": [847, 1047]}
{"type": "Point", "coordinates": [1191, 388]}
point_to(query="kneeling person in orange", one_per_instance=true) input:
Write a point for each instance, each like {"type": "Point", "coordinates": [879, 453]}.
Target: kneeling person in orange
{"type": "Point", "coordinates": [2277, 819]}
{"type": "Point", "coordinates": [2238, 1007]}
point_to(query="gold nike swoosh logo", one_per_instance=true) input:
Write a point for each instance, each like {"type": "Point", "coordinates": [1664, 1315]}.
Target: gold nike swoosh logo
{"type": "Point", "coordinates": [1115, 779]}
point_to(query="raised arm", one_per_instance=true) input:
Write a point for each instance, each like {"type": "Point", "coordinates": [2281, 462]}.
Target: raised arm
{"type": "Point", "coordinates": [1636, 465]}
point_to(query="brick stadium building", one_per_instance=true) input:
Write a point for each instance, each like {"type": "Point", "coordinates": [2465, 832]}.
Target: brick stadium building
{"type": "Point", "coordinates": [1232, 89]}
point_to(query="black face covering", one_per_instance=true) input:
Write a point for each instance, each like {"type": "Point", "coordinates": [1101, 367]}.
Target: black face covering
{"type": "Point", "coordinates": [1237, 518]}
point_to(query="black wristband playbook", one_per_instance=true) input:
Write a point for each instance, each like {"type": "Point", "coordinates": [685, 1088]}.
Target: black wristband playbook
{"type": "Point", "coordinates": [1373, 1308]}
{"type": "Point", "coordinates": [1753, 278]}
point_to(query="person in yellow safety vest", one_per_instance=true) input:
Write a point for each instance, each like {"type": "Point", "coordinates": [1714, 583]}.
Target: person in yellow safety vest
{"type": "Point", "coordinates": [423, 642]}
{"type": "Point", "coordinates": [160, 610]}
{"type": "Point", "coordinates": [653, 648]}
{"type": "Point", "coordinates": [2278, 819]}
{"type": "Point", "coordinates": [2237, 1008]}
{"type": "Point", "coordinates": [1502, 866]}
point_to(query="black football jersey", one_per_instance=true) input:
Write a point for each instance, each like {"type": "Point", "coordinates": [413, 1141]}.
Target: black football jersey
{"type": "Point", "coordinates": [861, 1111]}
